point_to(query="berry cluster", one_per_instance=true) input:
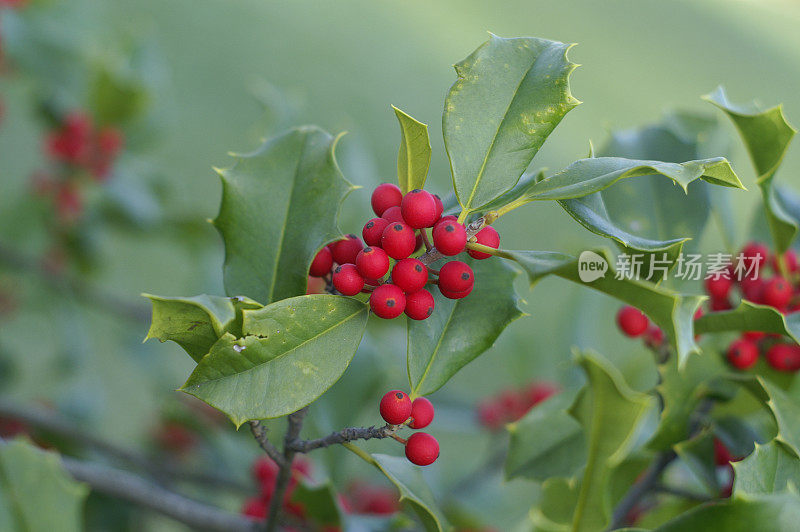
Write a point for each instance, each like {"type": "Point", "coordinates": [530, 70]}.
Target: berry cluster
{"type": "Point", "coordinates": [768, 280]}
{"type": "Point", "coordinates": [265, 472]}
{"type": "Point", "coordinates": [510, 405]}
{"type": "Point", "coordinates": [77, 143]}
{"type": "Point", "coordinates": [397, 408]}
{"type": "Point", "coordinates": [399, 231]}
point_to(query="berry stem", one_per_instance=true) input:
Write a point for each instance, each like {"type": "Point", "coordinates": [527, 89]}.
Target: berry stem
{"type": "Point", "coordinates": [484, 249]}
{"type": "Point", "coordinates": [398, 438]}
{"type": "Point", "coordinates": [425, 239]}
{"type": "Point", "coordinates": [434, 271]}
{"type": "Point", "coordinates": [472, 229]}
{"type": "Point", "coordinates": [367, 290]}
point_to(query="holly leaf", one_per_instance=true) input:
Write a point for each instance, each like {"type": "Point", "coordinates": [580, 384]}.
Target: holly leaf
{"type": "Point", "coordinates": [460, 330]}
{"type": "Point", "coordinates": [291, 352]}
{"type": "Point", "coordinates": [766, 134]}
{"type": "Point", "coordinates": [775, 512]}
{"type": "Point", "coordinates": [35, 491]}
{"type": "Point", "coordinates": [610, 414]}
{"type": "Point", "coordinates": [547, 442]}
{"type": "Point", "coordinates": [279, 207]}
{"type": "Point", "coordinates": [751, 317]}
{"type": "Point", "coordinates": [771, 468]}
{"type": "Point", "coordinates": [783, 408]}
{"type": "Point", "coordinates": [671, 311]}
{"type": "Point", "coordinates": [196, 323]}
{"type": "Point", "coordinates": [698, 454]}
{"type": "Point", "coordinates": [509, 96]}
{"type": "Point", "coordinates": [414, 157]}
{"type": "Point", "coordinates": [556, 505]}
{"type": "Point", "coordinates": [414, 491]}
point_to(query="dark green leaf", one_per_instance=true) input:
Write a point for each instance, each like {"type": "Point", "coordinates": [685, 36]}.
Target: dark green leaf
{"type": "Point", "coordinates": [292, 351]}
{"type": "Point", "coordinates": [36, 493]}
{"type": "Point", "coordinates": [460, 330]}
{"type": "Point", "coordinates": [770, 468]}
{"type": "Point", "coordinates": [196, 323]}
{"type": "Point", "coordinates": [751, 317]}
{"type": "Point", "coordinates": [776, 513]}
{"type": "Point", "coordinates": [509, 96]}
{"type": "Point", "coordinates": [279, 207]}
{"type": "Point", "coordinates": [783, 408]}
{"type": "Point", "coordinates": [556, 505]}
{"type": "Point", "coordinates": [414, 156]}
{"type": "Point", "coordinates": [766, 135]}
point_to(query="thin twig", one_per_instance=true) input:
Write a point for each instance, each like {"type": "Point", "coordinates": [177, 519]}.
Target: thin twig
{"type": "Point", "coordinates": [163, 472]}
{"type": "Point", "coordinates": [294, 425]}
{"type": "Point", "coordinates": [343, 436]}
{"type": "Point", "coordinates": [643, 486]}
{"type": "Point", "coordinates": [433, 254]}
{"type": "Point", "coordinates": [87, 292]}
{"type": "Point", "coordinates": [260, 434]}
{"type": "Point", "coordinates": [134, 489]}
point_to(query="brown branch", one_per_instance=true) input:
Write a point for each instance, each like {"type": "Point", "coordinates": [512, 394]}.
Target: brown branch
{"type": "Point", "coordinates": [433, 254]}
{"type": "Point", "coordinates": [343, 436]}
{"type": "Point", "coordinates": [294, 425]}
{"type": "Point", "coordinates": [640, 488]}
{"type": "Point", "coordinates": [260, 434]}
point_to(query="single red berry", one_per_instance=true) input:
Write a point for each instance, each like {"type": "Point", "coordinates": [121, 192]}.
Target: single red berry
{"type": "Point", "coordinates": [419, 305]}
{"type": "Point", "coordinates": [439, 206]}
{"type": "Point", "coordinates": [410, 275]}
{"type": "Point", "coordinates": [398, 240]}
{"type": "Point", "coordinates": [345, 250]}
{"type": "Point", "coordinates": [255, 508]}
{"type": "Point", "coordinates": [784, 357]}
{"type": "Point", "coordinates": [384, 196]}
{"type": "Point", "coordinates": [421, 413]}
{"type": "Point", "coordinates": [752, 289]}
{"type": "Point", "coordinates": [322, 263]}
{"type": "Point", "coordinates": [419, 209]}
{"type": "Point", "coordinates": [387, 301]}
{"type": "Point", "coordinates": [372, 263]}
{"type": "Point", "coordinates": [347, 280]}
{"type": "Point", "coordinates": [755, 252]}
{"type": "Point", "coordinates": [456, 276]}
{"type": "Point", "coordinates": [393, 214]}
{"type": "Point", "coordinates": [395, 407]}
{"type": "Point", "coordinates": [487, 236]}
{"type": "Point", "coordinates": [448, 218]}
{"type": "Point", "coordinates": [449, 238]}
{"type": "Point", "coordinates": [373, 230]}
{"type": "Point", "coordinates": [631, 321]}
{"type": "Point", "coordinates": [654, 336]}
{"type": "Point", "coordinates": [718, 288]}
{"type": "Point", "coordinates": [742, 354]}
{"type": "Point", "coordinates": [265, 470]}
{"type": "Point", "coordinates": [454, 295]}
{"type": "Point", "coordinates": [719, 305]}
{"type": "Point", "coordinates": [777, 292]}
{"type": "Point", "coordinates": [422, 449]}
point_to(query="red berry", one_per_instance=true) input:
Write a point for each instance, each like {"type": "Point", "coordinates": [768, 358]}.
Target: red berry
{"type": "Point", "coordinates": [410, 275]}
{"type": "Point", "coordinates": [631, 321]}
{"type": "Point", "coordinates": [487, 236]}
{"type": "Point", "coordinates": [387, 301]}
{"type": "Point", "coordinates": [393, 214]}
{"type": "Point", "coordinates": [755, 252]}
{"type": "Point", "coordinates": [398, 240]}
{"type": "Point", "coordinates": [439, 206]}
{"type": "Point", "coordinates": [395, 407]}
{"type": "Point", "coordinates": [448, 218]}
{"type": "Point", "coordinates": [385, 196]}
{"type": "Point", "coordinates": [784, 357]}
{"type": "Point", "coordinates": [347, 280]}
{"type": "Point", "coordinates": [777, 292]}
{"type": "Point", "coordinates": [789, 260]}
{"type": "Point", "coordinates": [255, 507]}
{"type": "Point", "coordinates": [372, 263]}
{"type": "Point", "coordinates": [722, 456]}
{"type": "Point", "coordinates": [718, 288]}
{"type": "Point", "coordinates": [422, 449]}
{"type": "Point", "coordinates": [752, 289]}
{"type": "Point", "coordinates": [753, 336]}
{"type": "Point", "coordinates": [419, 305]}
{"type": "Point", "coordinates": [455, 295]}
{"type": "Point", "coordinates": [490, 414]}
{"type": "Point", "coordinates": [322, 263]}
{"type": "Point", "coordinates": [265, 470]}
{"type": "Point", "coordinates": [654, 336]}
{"type": "Point", "coordinates": [719, 305]}
{"type": "Point", "coordinates": [742, 354]}
{"type": "Point", "coordinates": [421, 413]}
{"type": "Point", "coordinates": [540, 391]}
{"type": "Point", "coordinates": [455, 277]}
{"type": "Point", "coordinates": [449, 238]}
{"type": "Point", "coordinates": [373, 230]}
{"type": "Point", "coordinates": [345, 250]}
{"type": "Point", "coordinates": [419, 209]}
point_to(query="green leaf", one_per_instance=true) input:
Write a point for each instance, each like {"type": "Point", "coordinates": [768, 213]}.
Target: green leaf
{"type": "Point", "coordinates": [319, 502]}
{"type": "Point", "coordinates": [509, 96]}
{"type": "Point", "coordinates": [673, 312]}
{"type": "Point", "coordinates": [460, 330]}
{"type": "Point", "coordinates": [766, 135]}
{"type": "Point", "coordinates": [35, 492]}
{"type": "Point", "coordinates": [556, 505]}
{"type": "Point", "coordinates": [414, 491]}
{"type": "Point", "coordinates": [414, 156]}
{"type": "Point", "coordinates": [698, 454]}
{"type": "Point", "coordinates": [587, 176]}
{"type": "Point", "coordinates": [292, 351]}
{"type": "Point", "coordinates": [751, 317]}
{"type": "Point", "coordinates": [196, 323]}
{"type": "Point", "coordinates": [783, 408]}
{"type": "Point", "coordinates": [610, 413]}
{"type": "Point", "coordinates": [279, 207]}
{"type": "Point", "coordinates": [771, 468]}
{"type": "Point", "coordinates": [776, 513]}
{"type": "Point", "coordinates": [117, 98]}
{"type": "Point", "coordinates": [547, 442]}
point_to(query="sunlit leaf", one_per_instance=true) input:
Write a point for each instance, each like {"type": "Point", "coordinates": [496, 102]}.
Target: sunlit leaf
{"type": "Point", "coordinates": [414, 156]}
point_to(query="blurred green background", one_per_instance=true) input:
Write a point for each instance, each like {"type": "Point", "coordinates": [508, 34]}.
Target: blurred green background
{"type": "Point", "coordinates": [341, 65]}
